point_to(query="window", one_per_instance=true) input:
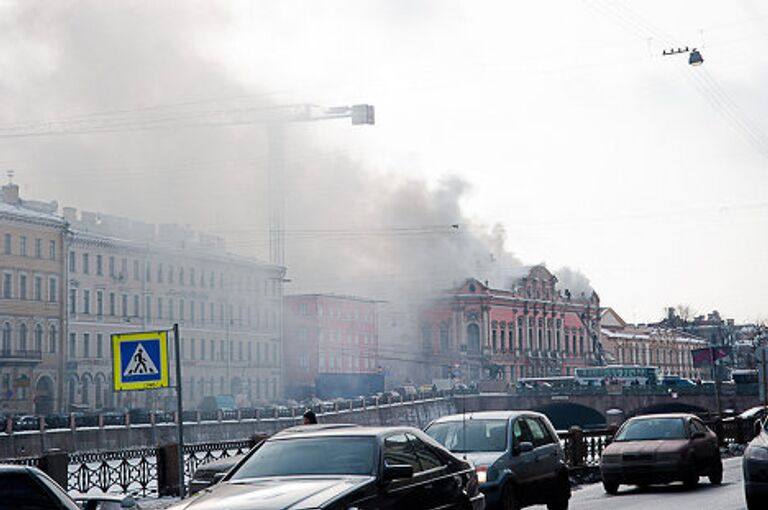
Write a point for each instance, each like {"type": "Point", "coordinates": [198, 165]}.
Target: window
{"type": "Point", "coordinates": [124, 268]}
{"type": "Point", "coordinates": [39, 248]}
{"type": "Point", "coordinates": [86, 301]}
{"type": "Point", "coordinates": [7, 285]}
{"type": "Point", "coordinates": [72, 302]}
{"type": "Point", "coordinates": [427, 457]}
{"type": "Point", "coordinates": [99, 265]}
{"type": "Point", "coordinates": [181, 276]}
{"type": "Point", "coordinates": [86, 345]}
{"type": "Point", "coordinates": [23, 337]}
{"type": "Point", "coordinates": [72, 262]}
{"type": "Point", "coordinates": [398, 450]}
{"type": "Point", "coordinates": [541, 435]}
{"type": "Point", "coordinates": [52, 339]}
{"type": "Point", "coordinates": [112, 266]}
{"type": "Point", "coordinates": [124, 303]}
{"type": "Point", "coordinates": [192, 349]}
{"type": "Point", "coordinates": [148, 307]}
{"type": "Point", "coordinates": [72, 345]}
{"type": "Point", "coordinates": [99, 345]}
{"type": "Point", "coordinates": [7, 332]}
{"type": "Point", "coordinates": [38, 338]}
{"type": "Point", "coordinates": [53, 290]}
{"type": "Point", "coordinates": [7, 244]}
{"type": "Point", "coordinates": [23, 246]}
{"type": "Point", "coordinates": [159, 273]}
{"type": "Point", "coordinates": [100, 303]}
{"type": "Point", "coordinates": [23, 286]}
{"type": "Point", "coordinates": [112, 304]}
{"type": "Point", "coordinates": [20, 491]}
{"type": "Point", "coordinates": [136, 270]}
{"type": "Point", "coordinates": [38, 290]}
{"type": "Point", "coordinates": [170, 274]}
{"type": "Point", "coordinates": [86, 266]}
{"type": "Point", "coordinates": [135, 305]}
{"type": "Point", "coordinates": [159, 308]}
{"type": "Point", "coordinates": [52, 250]}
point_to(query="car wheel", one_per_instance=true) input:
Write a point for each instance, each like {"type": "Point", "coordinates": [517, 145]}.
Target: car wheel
{"type": "Point", "coordinates": [564, 494]}
{"type": "Point", "coordinates": [692, 477]}
{"type": "Point", "coordinates": [611, 487]}
{"type": "Point", "coordinates": [716, 473]}
{"type": "Point", "coordinates": [509, 499]}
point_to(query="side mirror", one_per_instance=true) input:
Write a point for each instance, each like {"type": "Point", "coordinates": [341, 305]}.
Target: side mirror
{"type": "Point", "coordinates": [524, 447]}
{"type": "Point", "coordinates": [396, 472]}
{"type": "Point", "coordinates": [698, 435]}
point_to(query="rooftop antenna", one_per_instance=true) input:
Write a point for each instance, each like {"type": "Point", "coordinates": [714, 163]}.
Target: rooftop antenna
{"type": "Point", "coordinates": [10, 174]}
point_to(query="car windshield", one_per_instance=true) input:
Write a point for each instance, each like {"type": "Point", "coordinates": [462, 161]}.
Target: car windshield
{"type": "Point", "coordinates": [471, 435]}
{"type": "Point", "coordinates": [311, 456]}
{"type": "Point", "coordinates": [650, 429]}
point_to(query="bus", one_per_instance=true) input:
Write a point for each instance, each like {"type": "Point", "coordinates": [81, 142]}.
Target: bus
{"type": "Point", "coordinates": [617, 374]}
{"type": "Point", "coordinates": [554, 383]}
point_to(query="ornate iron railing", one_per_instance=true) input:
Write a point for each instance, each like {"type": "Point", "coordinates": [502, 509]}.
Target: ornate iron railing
{"type": "Point", "coordinates": [196, 455]}
{"type": "Point", "coordinates": [132, 470]}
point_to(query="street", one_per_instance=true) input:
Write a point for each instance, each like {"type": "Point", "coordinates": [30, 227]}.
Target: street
{"type": "Point", "coordinates": [728, 496]}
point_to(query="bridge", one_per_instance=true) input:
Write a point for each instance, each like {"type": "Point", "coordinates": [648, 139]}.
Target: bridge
{"type": "Point", "coordinates": [598, 406]}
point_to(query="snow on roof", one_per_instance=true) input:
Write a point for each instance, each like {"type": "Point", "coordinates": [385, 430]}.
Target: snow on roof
{"type": "Point", "coordinates": [24, 213]}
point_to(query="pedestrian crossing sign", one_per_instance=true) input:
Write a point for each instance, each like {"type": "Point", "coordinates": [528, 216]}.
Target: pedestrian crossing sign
{"type": "Point", "coordinates": [140, 360]}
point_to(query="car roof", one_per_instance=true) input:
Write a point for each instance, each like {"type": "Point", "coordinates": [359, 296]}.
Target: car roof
{"type": "Point", "coordinates": [346, 431]}
{"type": "Point", "coordinates": [664, 415]}
{"type": "Point", "coordinates": [14, 468]}
{"type": "Point", "coordinates": [486, 415]}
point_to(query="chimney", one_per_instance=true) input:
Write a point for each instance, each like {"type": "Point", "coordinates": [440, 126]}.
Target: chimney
{"type": "Point", "coordinates": [10, 194]}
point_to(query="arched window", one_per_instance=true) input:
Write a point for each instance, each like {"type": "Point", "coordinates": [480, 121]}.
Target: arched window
{"type": "Point", "coordinates": [473, 338]}
{"type": "Point", "coordinates": [7, 331]}
{"type": "Point", "coordinates": [52, 337]}
{"type": "Point", "coordinates": [38, 338]}
{"type": "Point", "coordinates": [23, 337]}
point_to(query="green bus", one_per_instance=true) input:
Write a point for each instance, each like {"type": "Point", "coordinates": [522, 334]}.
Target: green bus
{"type": "Point", "coordinates": [617, 374]}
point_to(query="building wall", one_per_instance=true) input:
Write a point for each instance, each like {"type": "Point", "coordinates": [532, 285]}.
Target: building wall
{"type": "Point", "coordinates": [329, 334]}
{"type": "Point", "coordinates": [228, 310]}
{"type": "Point", "coordinates": [31, 309]}
{"type": "Point", "coordinates": [475, 332]}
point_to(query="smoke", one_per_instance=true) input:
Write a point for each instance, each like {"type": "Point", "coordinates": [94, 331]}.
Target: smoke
{"type": "Point", "coordinates": [573, 280]}
{"type": "Point", "coordinates": [348, 230]}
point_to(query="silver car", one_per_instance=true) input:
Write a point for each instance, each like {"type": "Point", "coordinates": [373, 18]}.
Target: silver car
{"type": "Point", "coordinates": [517, 456]}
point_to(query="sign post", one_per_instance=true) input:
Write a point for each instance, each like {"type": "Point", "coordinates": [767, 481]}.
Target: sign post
{"type": "Point", "coordinates": [140, 362]}
{"type": "Point", "coordinates": [179, 411]}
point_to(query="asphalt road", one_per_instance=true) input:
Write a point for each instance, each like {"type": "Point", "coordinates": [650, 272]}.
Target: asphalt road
{"type": "Point", "coordinates": [728, 496]}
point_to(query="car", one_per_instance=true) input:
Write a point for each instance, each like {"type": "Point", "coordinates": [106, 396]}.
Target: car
{"type": "Point", "coordinates": [28, 488]}
{"type": "Point", "coordinates": [106, 502]}
{"type": "Point", "coordinates": [675, 381]}
{"type": "Point", "coordinates": [516, 454]}
{"type": "Point", "coordinates": [661, 448]}
{"type": "Point", "coordinates": [345, 467]}
{"type": "Point", "coordinates": [754, 464]}
{"type": "Point", "coordinates": [211, 472]}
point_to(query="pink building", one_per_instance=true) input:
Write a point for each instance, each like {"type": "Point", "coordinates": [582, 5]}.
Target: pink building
{"type": "Point", "coordinates": [326, 333]}
{"type": "Point", "coordinates": [475, 332]}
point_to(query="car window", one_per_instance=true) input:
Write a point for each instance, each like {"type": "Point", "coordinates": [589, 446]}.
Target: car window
{"type": "Point", "coordinates": [648, 429]}
{"type": "Point", "coordinates": [21, 492]}
{"type": "Point", "coordinates": [471, 435]}
{"type": "Point", "coordinates": [311, 456]}
{"type": "Point", "coordinates": [697, 426]}
{"type": "Point", "coordinates": [548, 439]}
{"type": "Point", "coordinates": [540, 436]}
{"type": "Point", "coordinates": [398, 450]}
{"type": "Point", "coordinates": [426, 455]}
{"type": "Point", "coordinates": [521, 433]}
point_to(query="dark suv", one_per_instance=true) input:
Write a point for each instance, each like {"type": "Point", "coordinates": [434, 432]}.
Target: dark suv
{"type": "Point", "coordinates": [517, 456]}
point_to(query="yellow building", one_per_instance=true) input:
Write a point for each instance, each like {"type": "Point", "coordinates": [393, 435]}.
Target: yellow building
{"type": "Point", "coordinates": [31, 304]}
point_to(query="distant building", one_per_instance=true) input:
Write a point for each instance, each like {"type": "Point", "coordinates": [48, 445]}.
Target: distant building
{"type": "Point", "coordinates": [68, 283]}
{"type": "Point", "coordinates": [31, 305]}
{"type": "Point", "coordinates": [666, 348]}
{"type": "Point", "coordinates": [124, 275]}
{"type": "Point", "coordinates": [328, 334]}
{"type": "Point", "coordinates": [475, 332]}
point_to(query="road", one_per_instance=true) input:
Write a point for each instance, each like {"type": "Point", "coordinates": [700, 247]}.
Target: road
{"type": "Point", "coordinates": [728, 496]}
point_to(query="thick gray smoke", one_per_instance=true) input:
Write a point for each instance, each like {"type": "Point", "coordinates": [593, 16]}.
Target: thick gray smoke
{"type": "Point", "coordinates": [573, 280]}
{"type": "Point", "coordinates": [348, 230]}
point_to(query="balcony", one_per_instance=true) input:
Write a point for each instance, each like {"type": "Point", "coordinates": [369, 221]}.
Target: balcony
{"type": "Point", "coordinates": [18, 357]}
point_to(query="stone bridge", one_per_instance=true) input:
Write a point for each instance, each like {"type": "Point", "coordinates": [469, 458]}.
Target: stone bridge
{"type": "Point", "coordinates": [593, 409]}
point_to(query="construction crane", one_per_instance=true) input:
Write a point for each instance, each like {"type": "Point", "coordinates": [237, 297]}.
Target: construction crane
{"type": "Point", "coordinates": [183, 116]}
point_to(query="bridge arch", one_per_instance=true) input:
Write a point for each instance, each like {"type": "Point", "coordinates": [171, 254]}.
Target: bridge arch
{"type": "Point", "coordinates": [668, 407]}
{"type": "Point", "coordinates": [564, 415]}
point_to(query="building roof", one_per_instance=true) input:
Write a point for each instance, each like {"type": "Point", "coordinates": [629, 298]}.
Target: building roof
{"type": "Point", "coordinates": [21, 213]}
{"type": "Point", "coordinates": [343, 297]}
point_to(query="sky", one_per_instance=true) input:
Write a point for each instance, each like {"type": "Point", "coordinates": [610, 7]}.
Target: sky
{"type": "Point", "coordinates": [551, 132]}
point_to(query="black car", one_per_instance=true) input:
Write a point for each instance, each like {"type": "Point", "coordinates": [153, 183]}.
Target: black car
{"type": "Point", "coordinates": [339, 468]}
{"type": "Point", "coordinates": [755, 467]}
{"type": "Point", "coordinates": [28, 488]}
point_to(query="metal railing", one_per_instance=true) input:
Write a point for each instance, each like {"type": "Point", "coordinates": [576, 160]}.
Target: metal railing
{"type": "Point", "coordinates": [132, 470]}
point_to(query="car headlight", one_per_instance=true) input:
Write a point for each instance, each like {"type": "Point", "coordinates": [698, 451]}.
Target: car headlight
{"type": "Point", "coordinates": [757, 453]}
{"type": "Point", "coordinates": [482, 474]}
